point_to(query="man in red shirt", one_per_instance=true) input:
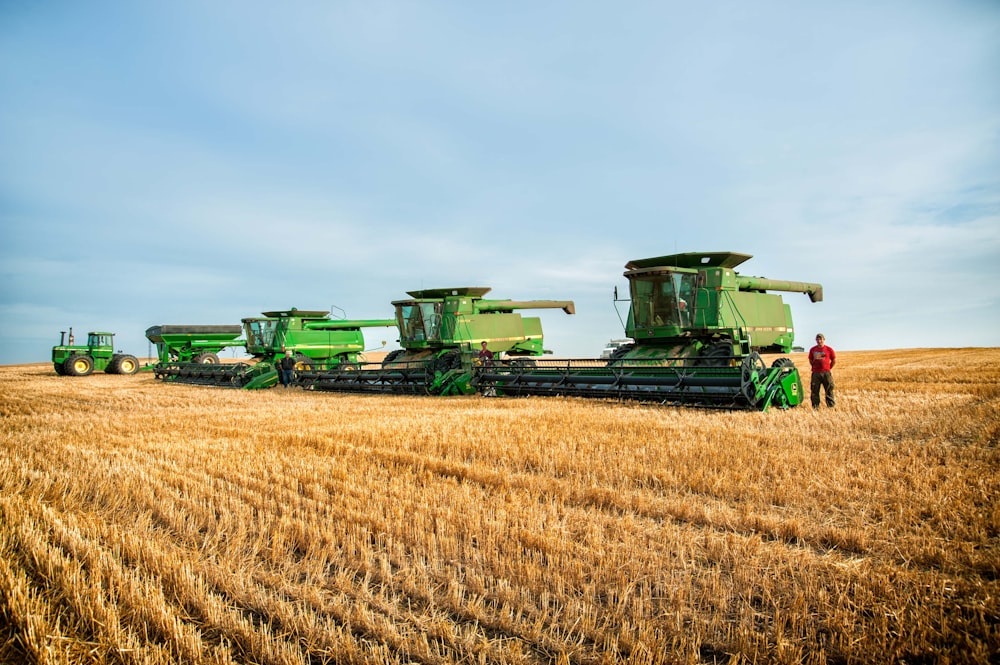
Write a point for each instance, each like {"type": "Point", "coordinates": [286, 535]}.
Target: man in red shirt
{"type": "Point", "coordinates": [822, 358]}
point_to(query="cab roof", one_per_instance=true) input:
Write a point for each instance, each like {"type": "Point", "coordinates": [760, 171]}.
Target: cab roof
{"type": "Point", "coordinates": [691, 260]}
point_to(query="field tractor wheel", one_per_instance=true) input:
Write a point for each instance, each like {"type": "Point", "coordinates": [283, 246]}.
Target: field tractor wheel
{"type": "Point", "coordinates": [303, 363]}
{"type": "Point", "coordinates": [719, 354]}
{"type": "Point", "coordinates": [125, 364]}
{"type": "Point", "coordinates": [523, 363]}
{"type": "Point", "coordinates": [78, 366]}
{"type": "Point", "coordinates": [60, 370]}
{"type": "Point", "coordinates": [206, 359]}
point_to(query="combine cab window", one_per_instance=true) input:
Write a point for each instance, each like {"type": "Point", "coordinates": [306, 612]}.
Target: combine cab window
{"type": "Point", "coordinates": [420, 322]}
{"type": "Point", "coordinates": [663, 299]}
{"type": "Point", "coordinates": [260, 333]}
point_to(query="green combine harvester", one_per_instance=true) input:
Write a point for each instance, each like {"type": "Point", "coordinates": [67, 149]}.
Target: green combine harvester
{"type": "Point", "coordinates": [97, 354]}
{"type": "Point", "coordinates": [316, 340]}
{"type": "Point", "coordinates": [441, 332]}
{"type": "Point", "coordinates": [698, 327]}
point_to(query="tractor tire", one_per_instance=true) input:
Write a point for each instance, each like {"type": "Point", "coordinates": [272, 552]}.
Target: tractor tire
{"type": "Point", "coordinates": [78, 366]}
{"type": "Point", "coordinates": [125, 364]}
{"type": "Point", "coordinates": [206, 359]}
{"type": "Point", "coordinates": [58, 367]}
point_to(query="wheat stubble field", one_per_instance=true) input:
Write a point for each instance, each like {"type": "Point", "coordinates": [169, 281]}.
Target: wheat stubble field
{"type": "Point", "coordinates": [148, 523]}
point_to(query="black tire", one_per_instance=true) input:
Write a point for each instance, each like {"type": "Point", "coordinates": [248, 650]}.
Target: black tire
{"type": "Point", "coordinates": [391, 356]}
{"type": "Point", "coordinates": [718, 354]}
{"type": "Point", "coordinates": [783, 362]}
{"type": "Point", "coordinates": [448, 361]}
{"type": "Point", "coordinates": [618, 354]}
{"type": "Point", "coordinates": [125, 364]}
{"type": "Point", "coordinates": [58, 367]}
{"type": "Point", "coordinates": [303, 363]}
{"type": "Point", "coordinates": [207, 358]}
{"type": "Point", "coordinates": [523, 363]}
{"type": "Point", "coordinates": [78, 366]}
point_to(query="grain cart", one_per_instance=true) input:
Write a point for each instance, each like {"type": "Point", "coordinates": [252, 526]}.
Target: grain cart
{"type": "Point", "coordinates": [193, 344]}
{"type": "Point", "coordinates": [98, 353]}
{"type": "Point", "coordinates": [316, 340]}
{"type": "Point", "coordinates": [441, 331]}
{"type": "Point", "coordinates": [698, 329]}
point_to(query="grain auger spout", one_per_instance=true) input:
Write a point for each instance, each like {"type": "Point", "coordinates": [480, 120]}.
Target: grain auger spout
{"type": "Point", "coordinates": [441, 332]}
{"type": "Point", "coordinates": [315, 340]}
{"type": "Point", "coordinates": [698, 330]}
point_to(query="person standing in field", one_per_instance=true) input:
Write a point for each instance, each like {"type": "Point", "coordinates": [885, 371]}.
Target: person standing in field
{"type": "Point", "coordinates": [285, 367]}
{"type": "Point", "coordinates": [485, 355]}
{"type": "Point", "coordinates": [822, 358]}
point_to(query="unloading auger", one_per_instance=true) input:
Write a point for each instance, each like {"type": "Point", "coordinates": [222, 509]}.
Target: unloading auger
{"type": "Point", "coordinates": [698, 329]}
{"type": "Point", "coordinates": [441, 332]}
{"type": "Point", "coordinates": [188, 354]}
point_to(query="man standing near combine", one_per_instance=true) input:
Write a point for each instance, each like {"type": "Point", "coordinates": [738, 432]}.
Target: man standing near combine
{"type": "Point", "coordinates": [285, 367]}
{"type": "Point", "coordinates": [822, 358]}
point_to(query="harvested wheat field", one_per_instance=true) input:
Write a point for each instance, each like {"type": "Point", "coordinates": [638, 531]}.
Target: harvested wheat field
{"type": "Point", "coordinates": [150, 523]}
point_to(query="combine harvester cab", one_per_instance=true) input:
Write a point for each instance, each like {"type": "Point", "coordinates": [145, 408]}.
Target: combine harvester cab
{"type": "Point", "coordinates": [698, 327]}
{"type": "Point", "coordinates": [98, 354]}
{"type": "Point", "coordinates": [441, 332]}
{"type": "Point", "coordinates": [316, 340]}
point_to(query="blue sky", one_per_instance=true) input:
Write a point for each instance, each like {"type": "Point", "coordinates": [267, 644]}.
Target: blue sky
{"type": "Point", "coordinates": [201, 162]}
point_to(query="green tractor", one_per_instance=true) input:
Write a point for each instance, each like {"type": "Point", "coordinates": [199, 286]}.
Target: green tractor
{"type": "Point", "coordinates": [698, 329]}
{"type": "Point", "coordinates": [441, 332]}
{"type": "Point", "coordinates": [98, 354]}
{"type": "Point", "coordinates": [316, 340]}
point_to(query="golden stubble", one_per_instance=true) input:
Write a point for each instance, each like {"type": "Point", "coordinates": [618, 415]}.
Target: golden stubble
{"type": "Point", "coordinates": [142, 522]}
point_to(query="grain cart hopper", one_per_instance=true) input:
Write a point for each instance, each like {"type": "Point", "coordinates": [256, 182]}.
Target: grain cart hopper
{"type": "Point", "coordinates": [441, 331]}
{"type": "Point", "coordinates": [98, 353]}
{"type": "Point", "coordinates": [316, 340]}
{"type": "Point", "coordinates": [698, 328]}
{"type": "Point", "coordinates": [193, 344]}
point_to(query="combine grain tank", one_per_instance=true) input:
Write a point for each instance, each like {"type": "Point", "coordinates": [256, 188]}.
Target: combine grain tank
{"type": "Point", "coordinates": [316, 340]}
{"type": "Point", "coordinates": [698, 329]}
{"type": "Point", "coordinates": [441, 332]}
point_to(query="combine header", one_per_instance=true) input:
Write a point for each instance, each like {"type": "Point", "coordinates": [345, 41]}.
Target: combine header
{"type": "Point", "coordinates": [441, 332]}
{"type": "Point", "coordinates": [317, 341]}
{"type": "Point", "coordinates": [698, 328]}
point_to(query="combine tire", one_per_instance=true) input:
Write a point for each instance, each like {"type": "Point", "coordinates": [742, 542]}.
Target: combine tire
{"type": "Point", "coordinates": [392, 355]}
{"type": "Point", "coordinates": [124, 364]}
{"type": "Point", "coordinates": [303, 363]}
{"type": "Point", "coordinates": [619, 353]}
{"type": "Point", "coordinates": [78, 366]}
{"type": "Point", "coordinates": [206, 359]}
{"type": "Point", "coordinates": [719, 354]}
{"type": "Point", "coordinates": [448, 361]}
